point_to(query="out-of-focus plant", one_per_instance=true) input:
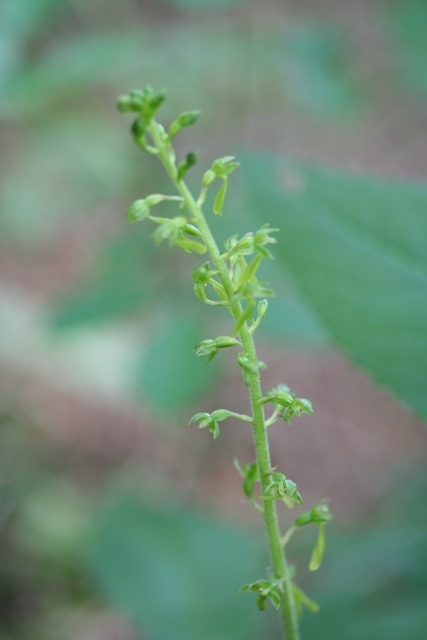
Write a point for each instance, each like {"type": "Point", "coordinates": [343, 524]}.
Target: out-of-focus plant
{"type": "Point", "coordinates": [357, 248]}
{"type": "Point", "coordinates": [46, 518]}
{"type": "Point", "coordinates": [375, 580]}
{"type": "Point", "coordinates": [407, 24]}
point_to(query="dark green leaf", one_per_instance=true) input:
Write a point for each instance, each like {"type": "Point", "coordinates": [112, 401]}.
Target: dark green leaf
{"type": "Point", "coordinates": [121, 285]}
{"type": "Point", "coordinates": [185, 119]}
{"type": "Point", "coordinates": [408, 25]}
{"type": "Point", "coordinates": [21, 20]}
{"type": "Point", "coordinates": [184, 5]}
{"type": "Point", "coordinates": [374, 583]}
{"type": "Point", "coordinates": [169, 375]}
{"type": "Point", "coordinates": [104, 302]}
{"type": "Point", "coordinates": [317, 69]}
{"type": "Point", "coordinates": [175, 572]}
{"type": "Point", "coordinates": [289, 317]}
{"type": "Point", "coordinates": [357, 248]}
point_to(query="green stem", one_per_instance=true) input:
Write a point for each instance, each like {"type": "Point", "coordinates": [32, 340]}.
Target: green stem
{"type": "Point", "coordinates": [278, 559]}
{"type": "Point", "coordinates": [271, 521]}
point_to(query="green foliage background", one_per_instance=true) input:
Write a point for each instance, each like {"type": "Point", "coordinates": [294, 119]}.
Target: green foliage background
{"type": "Point", "coordinates": [350, 270]}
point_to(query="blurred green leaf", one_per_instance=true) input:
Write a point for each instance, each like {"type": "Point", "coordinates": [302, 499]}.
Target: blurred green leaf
{"type": "Point", "coordinates": [306, 64]}
{"type": "Point", "coordinates": [374, 583]}
{"type": "Point", "coordinates": [103, 302]}
{"type": "Point", "coordinates": [62, 171]}
{"type": "Point", "coordinates": [407, 22]}
{"type": "Point", "coordinates": [169, 375]}
{"type": "Point", "coordinates": [19, 21]}
{"type": "Point", "coordinates": [357, 248]}
{"type": "Point", "coordinates": [54, 519]}
{"type": "Point", "coordinates": [176, 572]}
{"type": "Point", "coordinates": [318, 69]}
{"type": "Point", "coordinates": [21, 17]}
{"type": "Point", "coordinates": [123, 283]}
{"type": "Point", "coordinates": [204, 4]}
{"type": "Point", "coordinates": [289, 318]}
{"type": "Point", "coordinates": [122, 58]}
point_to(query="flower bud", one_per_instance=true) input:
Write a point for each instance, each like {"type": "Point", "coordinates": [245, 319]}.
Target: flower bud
{"type": "Point", "coordinates": [252, 365]}
{"type": "Point", "coordinates": [221, 167]}
{"type": "Point", "coordinates": [208, 178]}
{"type": "Point", "coordinates": [138, 96]}
{"type": "Point", "coordinates": [190, 161]}
{"type": "Point", "coordinates": [262, 309]}
{"type": "Point", "coordinates": [206, 348]}
{"type": "Point", "coordinates": [319, 513]}
{"type": "Point", "coordinates": [303, 406]}
{"type": "Point", "coordinates": [125, 104]}
{"type": "Point", "coordinates": [220, 414]}
{"type": "Point", "coordinates": [186, 119]}
{"type": "Point", "coordinates": [223, 342]}
{"type": "Point", "coordinates": [155, 99]}
{"type": "Point", "coordinates": [154, 199]}
{"type": "Point", "coordinates": [138, 129]}
{"type": "Point", "coordinates": [203, 274]}
{"type": "Point", "coordinates": [138, 211]}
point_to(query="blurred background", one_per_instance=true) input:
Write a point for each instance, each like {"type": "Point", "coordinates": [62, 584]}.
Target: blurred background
{"type": "Point", "coordinates": [117, 521]}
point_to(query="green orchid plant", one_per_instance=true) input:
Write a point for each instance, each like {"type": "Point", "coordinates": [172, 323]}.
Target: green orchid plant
{"type": "Point", "coordinates": [229, 278]}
